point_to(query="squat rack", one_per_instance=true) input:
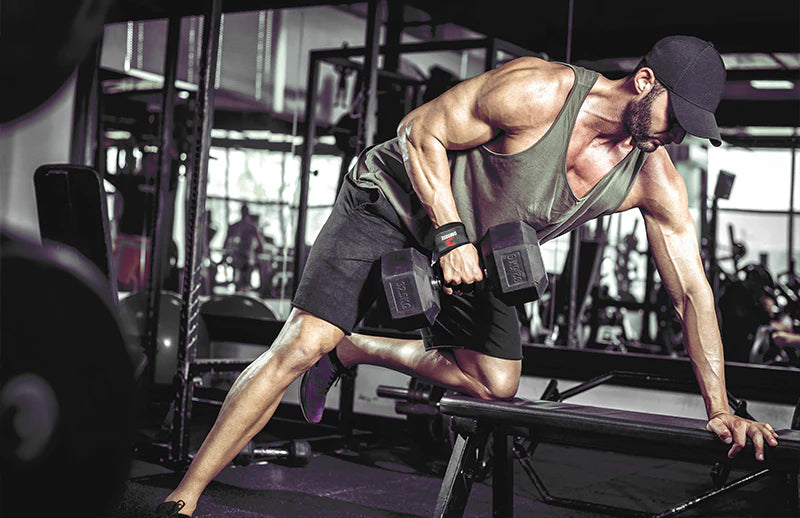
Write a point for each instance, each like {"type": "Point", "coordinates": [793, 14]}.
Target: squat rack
{"type": "Point", "coordinates": [176, 449]}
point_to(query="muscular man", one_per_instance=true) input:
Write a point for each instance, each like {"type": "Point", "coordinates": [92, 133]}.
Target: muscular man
{"type": "Point", "coordinates": [552, 144]}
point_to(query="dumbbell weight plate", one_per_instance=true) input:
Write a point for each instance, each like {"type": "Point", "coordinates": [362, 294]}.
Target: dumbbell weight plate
{"type": "Point", "coordinates": [512, 256]}
{"type": "Point", "coordinates": [411, 290]}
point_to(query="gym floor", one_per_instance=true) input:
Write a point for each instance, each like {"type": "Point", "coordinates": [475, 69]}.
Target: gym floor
{"type": "Point", "coordinates": [382, 472]}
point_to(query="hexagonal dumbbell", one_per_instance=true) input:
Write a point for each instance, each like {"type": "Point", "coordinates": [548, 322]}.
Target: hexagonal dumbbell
{"type": "Point", "coordinates": [512, 264]}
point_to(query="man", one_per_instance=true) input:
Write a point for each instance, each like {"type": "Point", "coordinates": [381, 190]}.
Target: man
{"type": "Point", "coordinates": [547, 143]}
{"type": "Point", "coordinates": [243, 244]}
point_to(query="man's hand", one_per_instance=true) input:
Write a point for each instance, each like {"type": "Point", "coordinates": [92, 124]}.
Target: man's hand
{"type": "Point", "coordinates": [784, 339]}
{"type": "Point", "coordinates": [460, 266]}
{"type": "Point", "coordinates": [735, 430]}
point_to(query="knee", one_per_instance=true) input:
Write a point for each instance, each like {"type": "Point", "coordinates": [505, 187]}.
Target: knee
{"type": "Point", "coordinates": [301, 354]}
{"type": "Point", "coordinates": [502, 385]}
{"type": "Point", "coordinates": [303, 341]}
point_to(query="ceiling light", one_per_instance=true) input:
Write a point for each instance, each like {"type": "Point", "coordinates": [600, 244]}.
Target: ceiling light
{"type": "Point", "coordinates": [771, 84]}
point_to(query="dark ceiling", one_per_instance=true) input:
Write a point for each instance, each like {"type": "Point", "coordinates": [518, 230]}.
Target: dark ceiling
{"type": "Point", "coordinates": [600, 28]}
{"type": "Point", "coordinates": [611, 28]}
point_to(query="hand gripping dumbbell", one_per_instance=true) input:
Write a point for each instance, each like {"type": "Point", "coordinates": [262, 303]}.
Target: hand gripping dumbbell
{"type": "Point", "coordinates": [512, 264]}
{"type": "Point", "coordinates": [292, 453]}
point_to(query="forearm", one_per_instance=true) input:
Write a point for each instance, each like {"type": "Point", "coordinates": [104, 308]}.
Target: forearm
{"type": "Point", "coordinates": [704, 345]}
{"type": "Point", "coordinates": [425, 159]}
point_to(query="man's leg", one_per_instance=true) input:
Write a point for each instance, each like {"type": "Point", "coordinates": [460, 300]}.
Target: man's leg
{"type": "Point", "coordinates": [253, 398]}
{"type": "Point", "coordinates": [471, 372]}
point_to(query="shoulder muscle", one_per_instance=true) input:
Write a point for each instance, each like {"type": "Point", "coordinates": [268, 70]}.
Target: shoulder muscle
{"type": "Point", "coordinates": [517, 95]}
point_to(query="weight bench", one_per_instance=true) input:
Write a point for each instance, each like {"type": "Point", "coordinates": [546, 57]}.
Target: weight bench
{"type": "Point", "coordinates": [539, 421]}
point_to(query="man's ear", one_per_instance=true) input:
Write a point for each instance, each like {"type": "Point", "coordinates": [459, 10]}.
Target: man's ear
{"type": "Point", "coordinates": [644, 80]}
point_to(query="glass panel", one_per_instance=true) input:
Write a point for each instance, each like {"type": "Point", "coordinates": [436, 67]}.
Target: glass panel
{"type": "Point", "coordinates": [762, 177]}
{"type": "Point", "coordinates": [761, 234]}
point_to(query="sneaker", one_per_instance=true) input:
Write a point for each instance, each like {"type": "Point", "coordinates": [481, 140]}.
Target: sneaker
{"type": "Point", "coordinates": [170, 510]}
{"type": "Point", "coordinates": [316, 383]}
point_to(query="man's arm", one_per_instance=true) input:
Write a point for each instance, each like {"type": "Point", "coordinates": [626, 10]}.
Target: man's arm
{"type": "Point", "coordinates": [510, 99]}
{"type": "Point", "coordinates": [671, 234]}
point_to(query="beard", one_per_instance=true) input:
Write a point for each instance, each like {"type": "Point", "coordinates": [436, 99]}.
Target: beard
{"type": "Point", "coordinates": [637, 121]}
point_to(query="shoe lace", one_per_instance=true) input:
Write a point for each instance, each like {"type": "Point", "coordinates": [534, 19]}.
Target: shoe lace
{"type": "Point", "coordinates": [333, 378]}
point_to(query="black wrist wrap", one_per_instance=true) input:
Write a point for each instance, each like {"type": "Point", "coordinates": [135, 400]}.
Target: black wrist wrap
{"type": "Point", "coordinates": [450, 236]}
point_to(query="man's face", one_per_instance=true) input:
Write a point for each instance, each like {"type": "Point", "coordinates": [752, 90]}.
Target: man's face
{"type": "Point", "coordinates": [650, 121]}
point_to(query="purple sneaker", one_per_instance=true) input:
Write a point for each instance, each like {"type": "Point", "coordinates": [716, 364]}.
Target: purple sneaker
{"type": "Point", "coordinates": [316, 383]}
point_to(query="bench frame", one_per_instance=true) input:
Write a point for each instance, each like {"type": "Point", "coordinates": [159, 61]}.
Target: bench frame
{"type": "Point", "coordinates": [474, 421]}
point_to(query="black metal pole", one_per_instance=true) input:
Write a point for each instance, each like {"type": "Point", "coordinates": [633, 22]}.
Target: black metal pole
{"type": "Point", "coordinates": [369, 116]}
{"type": "Point", "coordinates": [84, 127]}
{"type": "Point", "coordinates": [490, 59]}
{"type": "Point", "coordinates": [161, 212]}
{"type": "Point", "coordinates": [502, 475]}
{"type": "Point", "coordinates": [572, 316]}
{"type": "Point", "coordinates": [704, 226]}
{"type": "Point", "coordinates": [646, 334]}
{"type": "Point", "coordinates": [712, 248]}
{"type": "Point", "coordinates": [394, 31]}
{"type": "Point", "coordinates": [791, 211]}
{"type": "Point", "coordinates": [195, 232]}
{"type": "Point", "coordinates": [575, 237]}
{"type": "Point", "coordinates": [309, 137]}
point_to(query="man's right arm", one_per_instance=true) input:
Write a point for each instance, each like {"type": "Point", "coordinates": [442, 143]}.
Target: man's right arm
{"type": "Point", "coordinates": [468, 115]}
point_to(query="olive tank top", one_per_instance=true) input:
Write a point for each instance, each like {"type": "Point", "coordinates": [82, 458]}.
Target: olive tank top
{"type": "Point", "coordinates": [492, 188]}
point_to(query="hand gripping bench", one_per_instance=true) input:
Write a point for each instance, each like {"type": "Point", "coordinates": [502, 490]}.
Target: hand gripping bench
{"type": "Point", "coordinates": [637, 433]}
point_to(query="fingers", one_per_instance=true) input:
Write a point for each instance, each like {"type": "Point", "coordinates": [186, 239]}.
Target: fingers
{"type": "Point", "coordinates": [461, 269]}
{"type": "Point", "coordinates": [718, 427]}
{"type": "Point", "coordinates": [735, 431]}
{"type": "Point", "coordinates": [770, 434]}
{"type": "Point", "coordinates": [758, 445]}
{"type": "Point", "coordinates": [739, 437]}
{"type": "Point", "coordinates": [762, 434]}
{"type": "Point", "coordinates": [780, 338]}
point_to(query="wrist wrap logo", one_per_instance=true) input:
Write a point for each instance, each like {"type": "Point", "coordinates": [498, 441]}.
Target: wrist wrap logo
{"type": "Point", "coordinates": [450, 236]}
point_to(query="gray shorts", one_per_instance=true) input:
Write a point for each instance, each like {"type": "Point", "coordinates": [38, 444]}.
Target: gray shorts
{"type": "Point", "coordinates": [342, 279]}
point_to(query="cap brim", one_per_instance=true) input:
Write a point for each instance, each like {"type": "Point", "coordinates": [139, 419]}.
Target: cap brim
{"type": "Point", "coordinates": [695, 120]}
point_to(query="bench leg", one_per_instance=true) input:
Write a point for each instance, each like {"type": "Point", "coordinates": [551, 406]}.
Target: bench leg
{"type": "Point", "coordinates": [457, 481]}
{"type": "Point", "coordinates": [502, 477]}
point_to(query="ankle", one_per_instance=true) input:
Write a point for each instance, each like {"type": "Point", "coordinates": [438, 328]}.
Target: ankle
{"type": "Point", "coordinates": [341, 359]}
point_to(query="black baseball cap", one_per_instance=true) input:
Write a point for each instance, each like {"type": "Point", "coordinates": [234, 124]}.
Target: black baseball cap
{"type": "Point", "coordinates": [693, 73]}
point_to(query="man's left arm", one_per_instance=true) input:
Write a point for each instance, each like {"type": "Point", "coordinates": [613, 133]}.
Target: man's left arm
{"type": "Point", "coordinates": [673, 241]}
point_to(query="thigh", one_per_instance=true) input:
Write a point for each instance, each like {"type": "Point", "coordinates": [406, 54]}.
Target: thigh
{"type": "Point", "coordinates": [341, 278]}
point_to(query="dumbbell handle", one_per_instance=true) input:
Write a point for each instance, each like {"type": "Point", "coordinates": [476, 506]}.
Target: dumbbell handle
{"type": "Point", "coordinates": [392, 392]}
{"type": "Point", "coordinates": [438, 283]}
{"type": "Point", "coordinates": [270, 451]}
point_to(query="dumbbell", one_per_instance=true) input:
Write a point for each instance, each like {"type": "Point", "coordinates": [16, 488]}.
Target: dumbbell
{"type": "Point", "coordinates": [512, 264]}
{"type": "Point", "coordinates": [292, 453]}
